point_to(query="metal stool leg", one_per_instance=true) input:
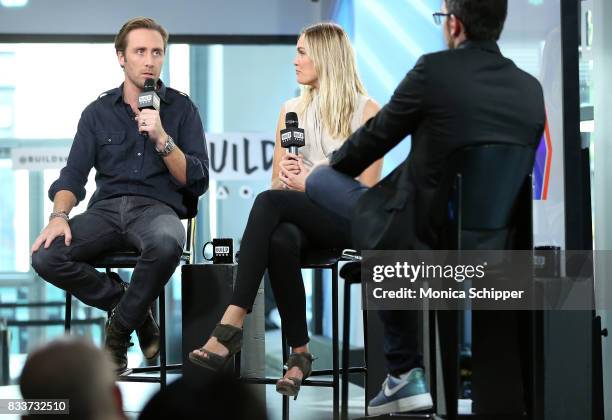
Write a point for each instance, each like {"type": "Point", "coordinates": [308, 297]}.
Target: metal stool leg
{"type": "Point", "coordinates": [335, 345]}
{"type": "Point", "coordinates": [285, 356]}
{"type": "Point", "coordinates": [237, 366]}
{"type": "Point", "coordinates": [68, 313]}
{"type": "Point", "coordinates": [346, 325]}
{"type": "Point", "coordinates": [162, 338]}
{"type": "Point", "coordinates": [365, 357]}
{"type": "Point", "coordinates": [433, 372]}
{"type": "Point", "coordinates": [448, 322]}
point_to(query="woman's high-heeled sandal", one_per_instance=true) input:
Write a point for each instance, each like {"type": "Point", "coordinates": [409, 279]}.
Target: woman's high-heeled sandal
{"type": "Point", "coordinates": [290, 385]}
{"type": "Point", "coordinates": [227, 335]}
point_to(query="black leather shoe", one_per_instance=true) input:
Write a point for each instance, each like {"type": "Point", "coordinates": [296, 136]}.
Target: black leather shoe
{"type": "Point", "coordinates": [117, 342]}
{"type": "Point", "coordinates": [148, 337]}
{"type": "Point", "coordinates": [148, 332]}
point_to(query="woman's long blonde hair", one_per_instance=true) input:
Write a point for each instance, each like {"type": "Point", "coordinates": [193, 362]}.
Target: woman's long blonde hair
{"type": "Point", "coordinates": [333, 57]}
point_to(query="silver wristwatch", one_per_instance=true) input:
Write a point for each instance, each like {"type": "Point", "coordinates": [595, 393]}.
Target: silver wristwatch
{"type": "Point", "coordinates": [168, 148]}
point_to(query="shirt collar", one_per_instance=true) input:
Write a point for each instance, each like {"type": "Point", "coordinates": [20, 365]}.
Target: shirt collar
{"type": "Point", "coordinates": [161, 91]}
{"type": "Point", "coordinates": [490, 46]}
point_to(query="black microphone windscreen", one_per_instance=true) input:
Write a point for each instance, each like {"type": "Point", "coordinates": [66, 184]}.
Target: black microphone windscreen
{"type": "Point", "coordinates": [291, 120]}
{"type": "Point", "coordinates": [149, 85]}
{"type": "Point", "coordinates": [148, 99]}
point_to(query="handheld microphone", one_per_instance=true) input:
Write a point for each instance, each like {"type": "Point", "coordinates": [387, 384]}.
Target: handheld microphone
{"type": "Point", "coordinates": [148, 99]}
{"type": "Point", "coordinates": [292, 137]}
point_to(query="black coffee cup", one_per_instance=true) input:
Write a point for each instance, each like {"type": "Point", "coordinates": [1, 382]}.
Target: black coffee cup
{"type": "Point", "coordinates": [223, 251]}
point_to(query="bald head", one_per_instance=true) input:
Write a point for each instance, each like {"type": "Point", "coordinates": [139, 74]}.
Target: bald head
{"type": "Point", "coordinates": [73, 369]}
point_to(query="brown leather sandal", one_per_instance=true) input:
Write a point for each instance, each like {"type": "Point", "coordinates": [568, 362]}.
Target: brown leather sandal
{"type": "Point", "coordinates": [227, 335]}
{"type": "Point", "coordinates": [290, 385]}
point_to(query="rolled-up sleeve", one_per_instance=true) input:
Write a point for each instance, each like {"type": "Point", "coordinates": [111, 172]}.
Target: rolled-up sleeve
{"type": "Point", "coordinates": [193, 144]}
{"type": "Point", "coordinates": [73, 176]}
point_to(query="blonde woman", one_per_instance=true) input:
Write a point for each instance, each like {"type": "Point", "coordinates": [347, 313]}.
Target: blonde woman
{"type": "Point", "coordinates": [283, 222]}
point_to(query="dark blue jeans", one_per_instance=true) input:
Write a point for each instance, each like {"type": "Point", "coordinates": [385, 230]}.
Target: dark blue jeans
{"type": "Point", "coordinates": [339, 194]}
{"type": "Point", "coordinates": [116, 224]}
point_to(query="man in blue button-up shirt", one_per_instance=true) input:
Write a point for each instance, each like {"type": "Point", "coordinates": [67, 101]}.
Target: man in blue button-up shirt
{"type": "Point", "coordinates": [151, 168]}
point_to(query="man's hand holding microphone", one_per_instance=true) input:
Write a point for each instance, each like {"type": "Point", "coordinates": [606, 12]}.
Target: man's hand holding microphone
{"type": "Point", "coordinates": [149, 121]}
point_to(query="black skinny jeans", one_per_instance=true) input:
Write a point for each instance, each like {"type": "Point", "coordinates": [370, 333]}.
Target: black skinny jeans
{"type": "Point", "coordinates": [281, 226]}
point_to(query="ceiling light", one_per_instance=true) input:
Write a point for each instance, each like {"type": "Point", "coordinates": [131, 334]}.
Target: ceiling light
{"type": "Point", "coordinates": [13, 3]}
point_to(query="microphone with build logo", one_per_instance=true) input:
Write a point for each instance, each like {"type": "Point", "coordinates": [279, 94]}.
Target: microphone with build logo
{"type": "Point", "coordinates": [148, 99]}
{"type": "Point", "coordinates": [292, 137]}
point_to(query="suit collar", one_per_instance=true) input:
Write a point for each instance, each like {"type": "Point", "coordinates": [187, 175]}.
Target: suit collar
{"type": "Point", "coordinates": [490, 46]}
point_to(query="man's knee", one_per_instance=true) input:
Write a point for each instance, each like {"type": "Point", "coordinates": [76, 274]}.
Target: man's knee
{"type": "Point", "coordinates": [318, 181]}
{"type": "Point", "coordinates": [165, 247]}
{"type": "Point", "coordinates": [40, 262]}
{"type": "Point", "coordinates": [48, 261]}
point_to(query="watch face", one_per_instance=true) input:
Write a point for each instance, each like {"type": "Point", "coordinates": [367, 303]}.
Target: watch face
{"type": "Point", "coordinates": [168, 147]}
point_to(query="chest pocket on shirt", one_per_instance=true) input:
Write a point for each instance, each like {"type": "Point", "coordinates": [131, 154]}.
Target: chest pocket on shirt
{"type": "Point", "coordinates": [111, 150]}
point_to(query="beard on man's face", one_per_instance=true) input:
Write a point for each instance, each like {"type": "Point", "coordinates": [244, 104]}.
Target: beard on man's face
{"type": "Point", "coordinates": [133, 77]}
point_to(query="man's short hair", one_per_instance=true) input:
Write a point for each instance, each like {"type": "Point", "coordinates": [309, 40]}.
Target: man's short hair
{"type": "Point", "coordinates": [483, 19]}
{"type": "Point", "coordinates": [73, 369]}
{"type": "Point", "coordinates": [138, 23]}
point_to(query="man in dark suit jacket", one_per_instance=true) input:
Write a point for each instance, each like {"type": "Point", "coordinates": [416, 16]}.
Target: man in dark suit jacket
{"type": "Point", "coordinates": [465, 96]}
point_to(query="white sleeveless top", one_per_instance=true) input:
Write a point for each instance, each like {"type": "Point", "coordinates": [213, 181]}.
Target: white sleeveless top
{"type": "Point", "coordinates": [319, 143]}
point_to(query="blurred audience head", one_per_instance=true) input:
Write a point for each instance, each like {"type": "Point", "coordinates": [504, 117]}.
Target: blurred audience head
{"type": "Point", "coordinates": [205, 395]}
{"type": "Point", "coordinates": [76, 370]}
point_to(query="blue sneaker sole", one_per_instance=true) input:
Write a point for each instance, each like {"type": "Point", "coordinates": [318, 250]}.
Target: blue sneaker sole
{"type": "Point", "coordinates": [415, 403]}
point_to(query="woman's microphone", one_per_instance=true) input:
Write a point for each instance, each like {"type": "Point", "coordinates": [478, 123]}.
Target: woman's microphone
{"type": "Point", "coordinates": [292, 137]}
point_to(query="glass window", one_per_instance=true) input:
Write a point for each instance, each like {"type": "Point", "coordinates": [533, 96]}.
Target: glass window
{"type": "Point", "coordinates": [14, 210]}
{"type": "Point", "coordinates": [47, 105]}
